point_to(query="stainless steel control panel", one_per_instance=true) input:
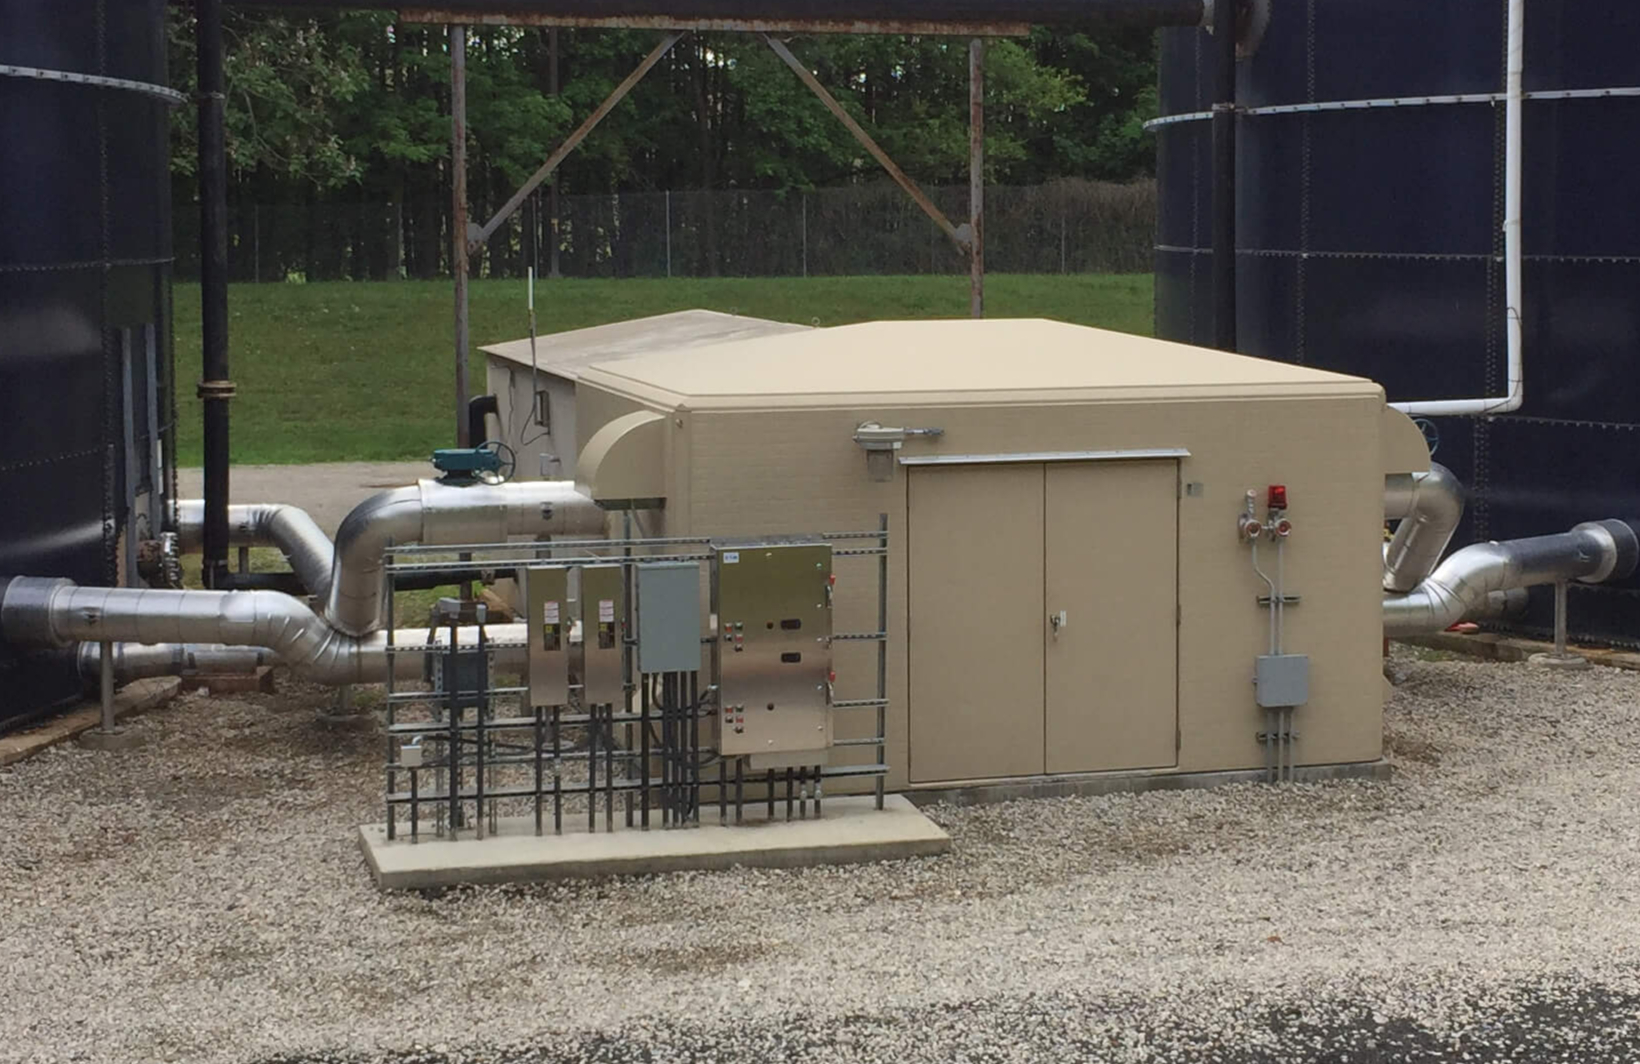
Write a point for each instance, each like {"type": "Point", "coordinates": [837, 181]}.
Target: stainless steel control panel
{"type": "Point", "coordinates": [547, 593]}
{"type": "Point", "coordinates": [773, 637]}
{"type": "Point", "coordinates": [603, 634]}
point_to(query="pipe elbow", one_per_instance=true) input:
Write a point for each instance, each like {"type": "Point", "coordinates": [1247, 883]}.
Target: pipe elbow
{"type": "Point", "coordinates": [1430, 505]}
{"type": "Point", "coordinates": [354, 599]}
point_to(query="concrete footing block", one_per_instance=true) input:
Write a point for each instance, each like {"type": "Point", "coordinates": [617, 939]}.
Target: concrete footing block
{"type": "Point", "coordinates": [1495, 647]}
{"type": "Point", "coordinates": [238, 683]}
{"type": "Point", "coordinates": [851, 831]}
{"type": "Point", "coordinates": [1092, 784]}
{"type": "Point", "coordinates": [1564, 662]}
{"type": "Point", "coordinates": [110, 742]}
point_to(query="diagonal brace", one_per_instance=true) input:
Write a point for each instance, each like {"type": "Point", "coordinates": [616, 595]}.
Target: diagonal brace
{"type": "Point", "coordinates": [962, 238]}
{"type": "Point", "coordinates": [573, 140]}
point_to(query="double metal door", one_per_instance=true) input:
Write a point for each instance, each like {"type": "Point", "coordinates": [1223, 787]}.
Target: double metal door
{"type": "Point", "coordinates": [1043, 627]}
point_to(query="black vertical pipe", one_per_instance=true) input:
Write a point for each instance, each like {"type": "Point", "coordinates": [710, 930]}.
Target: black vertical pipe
{"type": "Point", "coordinates": [694, 746]}
{"type": "Point", "coordinates": [215, 389]}
{"type": "Point", "coordinates": [540, 721]}
{"type": "Point", "coordinates": [460, 255]}
{"type": "Point", "coordinates": [609, 766]}
{"type": "Point", "coordinates": [643, 750]}
{"type": "Point", "coordinates": [1224, 176]}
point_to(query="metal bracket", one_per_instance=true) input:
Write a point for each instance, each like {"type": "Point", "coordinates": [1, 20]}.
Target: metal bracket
{"type": "Point", "coordinates": [880, 442]}
{"type": "Point", "coordinates": [1286, 600]}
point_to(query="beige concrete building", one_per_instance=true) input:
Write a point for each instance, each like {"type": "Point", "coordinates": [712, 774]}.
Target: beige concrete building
{"type": "Point", "coordinates": [537, 392]}
{"type": "Point", "coordinates": [1071, 595]}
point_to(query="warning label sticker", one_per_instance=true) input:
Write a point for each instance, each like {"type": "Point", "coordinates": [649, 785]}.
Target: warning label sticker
{"type": "Point", "coordinates": [549, 613]}
{"type": "Point", "coordinates": [606, 611]}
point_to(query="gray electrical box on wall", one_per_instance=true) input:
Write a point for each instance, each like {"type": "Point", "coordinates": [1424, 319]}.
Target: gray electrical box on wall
{"type": "Point", "coordinates": [603, 633]}
{"type": "Point", "coordinates": [773, 603]}
{"type": "Point", "coordinates": [547, 623]}
{"type": "Point", "coordinates": [1282, 680]}
{"type": "Point", "coordinates": [669, 617]}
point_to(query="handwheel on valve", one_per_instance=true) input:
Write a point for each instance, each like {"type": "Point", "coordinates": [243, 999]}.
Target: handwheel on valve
{"type": "Point", "coordinates": [506, 461]}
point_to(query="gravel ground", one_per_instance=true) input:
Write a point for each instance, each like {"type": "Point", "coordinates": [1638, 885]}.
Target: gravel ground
{"type": "Point", "coordinates": [202, 899]}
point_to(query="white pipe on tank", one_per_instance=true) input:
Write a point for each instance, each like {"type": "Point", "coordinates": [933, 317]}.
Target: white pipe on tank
{"type": "Point", "coordinates": [1515, 395]}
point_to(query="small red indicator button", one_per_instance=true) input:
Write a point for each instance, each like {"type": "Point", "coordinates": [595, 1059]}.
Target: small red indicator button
{"type": "Point", "coordinates": [1278, 496]}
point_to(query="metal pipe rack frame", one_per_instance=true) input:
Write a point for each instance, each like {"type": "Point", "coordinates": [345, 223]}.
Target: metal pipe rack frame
{"type": "Point", "coordinates": [649, 750]}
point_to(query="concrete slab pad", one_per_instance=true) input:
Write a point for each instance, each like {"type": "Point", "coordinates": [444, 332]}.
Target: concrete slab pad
{"type": "Point", "coordinates": [852, 831]}
{"type": "Point", "coordinates": [980, 792]}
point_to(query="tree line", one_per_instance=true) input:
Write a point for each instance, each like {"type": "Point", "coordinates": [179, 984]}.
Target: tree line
{"type": "Point", "coordinates": [352, 108]}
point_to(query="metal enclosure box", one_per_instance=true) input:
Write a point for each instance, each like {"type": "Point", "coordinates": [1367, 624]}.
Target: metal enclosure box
{"type": "Point", "coordinates": [603, 634]}
{"type": "Point", "coordinates": [1282, 680]}
{"type": "Point", "coordinates": [773, 604]}
{"type": "Point", "coordinates": [547, 624]}
{"type": "Point", "coordinates": [669, 617]}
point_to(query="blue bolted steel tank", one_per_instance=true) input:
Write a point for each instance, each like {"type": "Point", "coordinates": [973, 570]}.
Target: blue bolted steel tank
{"type": "Point", "coordinates": [86, 382]}
{"type": "Point", "coordinates": [1370, 238]}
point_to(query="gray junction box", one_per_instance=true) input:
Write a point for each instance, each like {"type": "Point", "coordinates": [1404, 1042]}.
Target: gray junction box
{"type": "Point", "coordinates": [548, 627]}
{"type": "Point", "coordinates": [1283, 680]}
{"type": "Point", "coordinates": [668, 608]}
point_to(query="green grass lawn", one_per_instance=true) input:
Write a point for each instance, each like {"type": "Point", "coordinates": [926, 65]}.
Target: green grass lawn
{"type": "Point", "coordinates": [351, 371]}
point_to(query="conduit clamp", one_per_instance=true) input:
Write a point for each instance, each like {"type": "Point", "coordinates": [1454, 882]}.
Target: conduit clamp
{"type": "Point", "coordinates": [220, 390]}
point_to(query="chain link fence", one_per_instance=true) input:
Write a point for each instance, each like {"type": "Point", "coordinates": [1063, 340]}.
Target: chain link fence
{"type": "Point", "coordinates": [1065, 226]}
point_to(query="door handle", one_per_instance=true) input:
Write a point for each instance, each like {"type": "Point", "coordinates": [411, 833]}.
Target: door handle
{"type": "Point", "coordinates": [1058, 621]}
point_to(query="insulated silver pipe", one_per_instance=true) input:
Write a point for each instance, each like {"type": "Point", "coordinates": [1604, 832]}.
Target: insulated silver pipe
{"type": "Point", "coordinates": [304, 544]}
{"type": "Point", "coordinates": [1464, 584]}
{"type": "Point", "coordinates": [134, 661]}
{"type": "Point", "coordinates": [431, 512]}
{"type": "Point", "coordinates": [45, 612]}
{"type": "Point", "coordinates": [1429, 507]}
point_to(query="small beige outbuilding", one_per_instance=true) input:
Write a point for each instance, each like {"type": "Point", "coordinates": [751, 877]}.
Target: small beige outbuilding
{"type": "Point", "coordinates": [1070, 596]}
{"type": "Point", "coordinates": [534, 381]}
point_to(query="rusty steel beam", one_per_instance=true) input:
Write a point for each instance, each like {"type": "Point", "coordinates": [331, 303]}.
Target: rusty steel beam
{"type": "Point", "coordinates": [769, 24]}
{"type": "Point", "coordinates": [976, 176]}
{"type": "Point", "coordinates": [458, 220]}
{"type": "Point", "coordinates": [955, 17]}
{"type": "Point", "coordinates": [900, 177]}
{"type": "Point", "coordinates": [573, 141]}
